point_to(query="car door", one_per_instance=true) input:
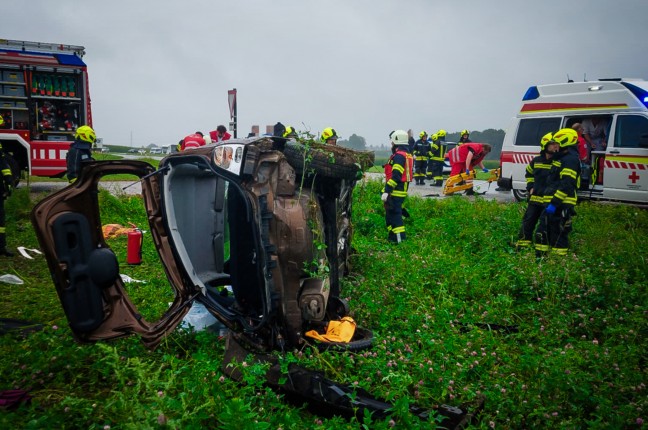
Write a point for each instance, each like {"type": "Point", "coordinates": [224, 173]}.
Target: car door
{"type": "Point", "coordinates": [625, 172]}
{"type": "Point", "coordinates": [85, 270]}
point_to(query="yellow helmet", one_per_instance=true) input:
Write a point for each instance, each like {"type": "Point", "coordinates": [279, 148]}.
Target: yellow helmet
{"type": "Point", "coordinates": [441, 133]}
{"type": "Point", "coordinates": [435, 137]}
{"type": "Point", "coordinates": [547, 138]}
{"type": "Point", "coordinates": [328, 133]}
{"type": "Point", "coordinates": [464, 132]}
{"type": "Point", "coordinates": [290, 132]}
{"type": "Point", "coordinates": [86, 134]}
{"type": "Point", "coordinates": [423, 133]}
{"type": "Point", "coordinates": [1, 120]}
{"type": "Point", "coordinates": [566, 137]}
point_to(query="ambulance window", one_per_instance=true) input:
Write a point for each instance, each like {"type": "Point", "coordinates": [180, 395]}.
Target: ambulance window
{"type": "Point", "coordinates": [531, 130]}
{"type": "Point", "coordinates": [631, 132]}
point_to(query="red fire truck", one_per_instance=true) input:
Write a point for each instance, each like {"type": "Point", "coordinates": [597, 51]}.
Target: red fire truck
{"type": "Point", "coordinates": [44, 97]}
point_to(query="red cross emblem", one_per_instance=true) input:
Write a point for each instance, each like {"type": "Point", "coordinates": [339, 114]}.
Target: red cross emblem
{"type": "Point", "coordinates": [634, 177]}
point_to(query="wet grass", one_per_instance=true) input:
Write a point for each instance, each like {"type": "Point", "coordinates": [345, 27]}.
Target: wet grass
{"type": "Point", "coordinates": [573, 357]}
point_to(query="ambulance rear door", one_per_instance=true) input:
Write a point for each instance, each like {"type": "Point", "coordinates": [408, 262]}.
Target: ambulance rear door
{"type": "Point", "coordinates": [625, 176]}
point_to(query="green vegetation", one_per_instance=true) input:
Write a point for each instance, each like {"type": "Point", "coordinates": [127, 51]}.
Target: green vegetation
{"type": "Point", "coordinates": [574, 355]}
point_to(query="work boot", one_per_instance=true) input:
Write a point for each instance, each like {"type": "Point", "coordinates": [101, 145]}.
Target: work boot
{"type": "Point", "coordinates": [6, 252]}
{"type": "Point", "coordinates": [470, 192]}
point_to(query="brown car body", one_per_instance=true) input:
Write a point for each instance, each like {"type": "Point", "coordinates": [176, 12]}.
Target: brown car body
{"type": "Point", "coordinates": [247, 213]}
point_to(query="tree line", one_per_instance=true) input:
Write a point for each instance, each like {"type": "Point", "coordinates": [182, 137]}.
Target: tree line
{"type": "Point", "coordinates": [491, 136]}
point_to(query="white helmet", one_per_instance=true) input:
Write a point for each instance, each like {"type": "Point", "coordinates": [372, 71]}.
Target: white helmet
{"type": "Point", "coordinates": [399, 137]}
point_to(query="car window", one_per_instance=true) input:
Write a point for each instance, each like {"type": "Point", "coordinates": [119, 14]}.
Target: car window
{"type": "Point", "coordinates": [630, 130]}
{"type": "Point", "coordinates": [531, 130]}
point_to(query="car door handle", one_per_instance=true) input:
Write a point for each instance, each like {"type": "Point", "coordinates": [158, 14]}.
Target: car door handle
{"type": "Point", "coordinates": [614, 151]}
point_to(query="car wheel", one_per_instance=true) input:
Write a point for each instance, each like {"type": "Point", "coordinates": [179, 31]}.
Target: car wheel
{"type": "Point", "coordinates": [320, 162]}
{"type": "Point", "coordinates": [520, 195]}
{"type": "Point", "coordinates": [362, 339]}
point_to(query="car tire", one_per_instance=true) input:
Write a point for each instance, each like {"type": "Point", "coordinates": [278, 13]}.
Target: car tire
{"type": "Point", "coordinates": [520, 195]}
{"type": "Point", "coordinates": [319, 161]}
{"type": "Point", "coordinates": [362, 339]}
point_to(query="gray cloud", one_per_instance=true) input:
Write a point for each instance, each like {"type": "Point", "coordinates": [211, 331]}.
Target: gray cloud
{"type": "Point", "coordinates": [161, 70]}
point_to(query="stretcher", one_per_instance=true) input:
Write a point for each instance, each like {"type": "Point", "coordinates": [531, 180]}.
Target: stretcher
{"type": "Point", "coordinates": [463, 181]}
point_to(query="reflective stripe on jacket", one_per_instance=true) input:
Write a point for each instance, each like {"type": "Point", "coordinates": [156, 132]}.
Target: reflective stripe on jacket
{"type": "Point", "coordinates": [398, 173]}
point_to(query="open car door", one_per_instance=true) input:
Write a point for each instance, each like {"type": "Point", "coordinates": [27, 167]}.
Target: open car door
{"type": "Point", "coordinates": [85, 270]}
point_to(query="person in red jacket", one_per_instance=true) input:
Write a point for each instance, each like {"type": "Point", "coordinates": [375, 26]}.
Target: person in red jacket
{"type": "Point", "coordinates": [467, 156]}
{"type": "Point", "coordinates": [220, 134]}
{"type": "Point", "coordinates": [464, 158]}
{"type": "Point", "coordinates": [194, 140]}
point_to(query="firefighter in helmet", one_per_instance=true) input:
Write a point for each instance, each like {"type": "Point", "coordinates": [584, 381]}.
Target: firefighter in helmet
{"type": "Point", "coordinates": [441, 134]}
{"type": "Point", "coordinates": [435, 164]}
{"type": "Point", "coordinates": [464, 137]}
{"type": "Point", "coordinates": [398, 175]}
{"type": "Point", "coordinates": [560, 196]}
{"type": "Point", "coordinates": [537, 173]}
{"type": "Point", "coordinates": [329, 136]}
{"type": "Point", "coordinates": [421, 152]}
{"type": "Point", "coordinates": [80, 151]}
{"type": "Point", "coordinates": [290, 133]}
{"type": "Point", "coordinates": [6, 186]}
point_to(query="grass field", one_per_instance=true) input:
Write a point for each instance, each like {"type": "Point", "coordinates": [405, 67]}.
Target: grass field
{"type": "Point", "coordinates": [574, 354]}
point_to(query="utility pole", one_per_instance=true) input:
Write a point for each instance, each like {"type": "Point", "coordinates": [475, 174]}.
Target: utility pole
{"type": "Point", "coordinates": [231, 98]}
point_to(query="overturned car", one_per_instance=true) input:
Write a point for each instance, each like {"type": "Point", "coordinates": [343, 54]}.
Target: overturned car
{"type": "Point", "coordinates": [257, 230]}
{"type": "Point", "coordinates": [247, 215]}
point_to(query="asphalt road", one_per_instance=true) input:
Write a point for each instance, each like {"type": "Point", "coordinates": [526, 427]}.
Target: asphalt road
{"type": "Point", "coordinates": [130, 188]}
{"type": "Point", "coordinates": [437, 192]}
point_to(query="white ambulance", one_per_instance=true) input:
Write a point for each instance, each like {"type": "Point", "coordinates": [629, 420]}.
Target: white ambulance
{"type": "Point", "coordinates": [621, 104]}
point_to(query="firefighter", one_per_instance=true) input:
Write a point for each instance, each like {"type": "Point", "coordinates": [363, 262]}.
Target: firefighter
{"type": "Point", "coordinates": [442, 135]}
{"type": "Point", "coordinates": [465, 137]}
{"type": "Point", "coordinates": [560, 196]}
{"type": "Point", "coordinates": [329, 136]}
{"type": "Point", "coordinates": [6, 186]}
{"type": "Point", "coordinates": [464, 158]}
{"type": "Point", "coordinates": [192, 141]}
{"type": "Point", "coordinates": [290, 133]}
{"type": "Point", "coordinates": [435, 163]}
{"type": "Point", "coordinates": [80, 151]}
{"type": "Point", "coordinates": [537, 174]}
{"type": "Point", "coordinates": [398, 175]}
{"type": "Point", "coordinates": [421, 152]}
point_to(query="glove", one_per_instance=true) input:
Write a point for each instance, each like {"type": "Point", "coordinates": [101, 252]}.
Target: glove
{"type": "Point", "coordinates": [384, 197]}
{"type": "Point", "coordinates": [551, 209]}
{"type": "Point", "coordinates": [467, 171]}
{"type": "Point", "coordinates": [485, 170]}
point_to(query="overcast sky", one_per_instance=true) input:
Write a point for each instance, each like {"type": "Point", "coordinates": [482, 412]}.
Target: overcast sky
{"type": "Point", "coordinates": [161, 70]}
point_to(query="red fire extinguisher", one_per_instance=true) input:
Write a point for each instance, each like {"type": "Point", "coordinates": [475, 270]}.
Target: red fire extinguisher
{"type": "Point", "coordinates": [134, 247]}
